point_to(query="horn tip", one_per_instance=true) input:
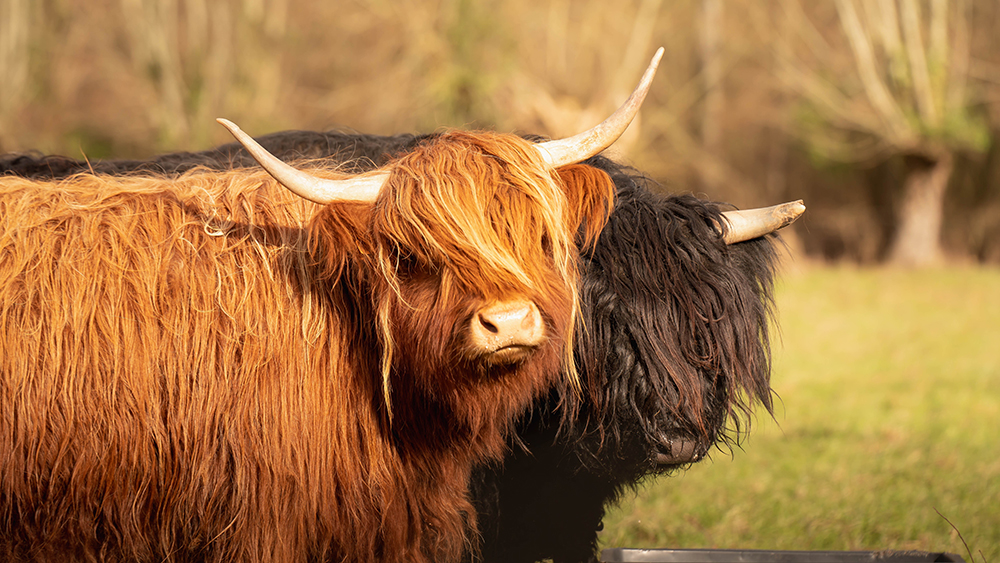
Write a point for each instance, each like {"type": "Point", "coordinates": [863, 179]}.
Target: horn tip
{"type": "Point", "coordinates": [227, 124]}
{"type": "Point", "coordinates": [796, 208]}
{"type": "Point", "coordinates": [654, 64]}
{"type": "Point", "coordinates": [787, 213]}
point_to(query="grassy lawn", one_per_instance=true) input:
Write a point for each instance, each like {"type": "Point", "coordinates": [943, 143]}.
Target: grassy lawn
{"type": "Point", "coordinates": [888, 413]}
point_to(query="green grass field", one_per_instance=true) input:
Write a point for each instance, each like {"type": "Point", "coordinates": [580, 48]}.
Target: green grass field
{"type": "Point", "coordinates": [888, 413]}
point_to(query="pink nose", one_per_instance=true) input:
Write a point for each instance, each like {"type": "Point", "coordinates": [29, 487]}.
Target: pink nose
{"type": "Point", "coordinates": [510, 328]}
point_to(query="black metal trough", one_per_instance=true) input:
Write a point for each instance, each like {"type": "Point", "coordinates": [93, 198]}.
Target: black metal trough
{"type": "Point", "coordinates": [628, 555]}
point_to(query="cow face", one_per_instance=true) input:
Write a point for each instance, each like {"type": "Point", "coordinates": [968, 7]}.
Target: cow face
{"type": "Point", "coordinates": [677, 346]}
{"type": "Point", "coordinates": [471, 251]}
{"type": "Point", "coordinates": [474, 240]}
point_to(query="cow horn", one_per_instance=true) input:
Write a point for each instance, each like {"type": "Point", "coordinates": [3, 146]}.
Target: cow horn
{"type": "Point", "coordinates": [582, 146]}
{"type": "Point", "coordinates": [753, 223]}
{"type": "Point", "coordinates": [362, 188]}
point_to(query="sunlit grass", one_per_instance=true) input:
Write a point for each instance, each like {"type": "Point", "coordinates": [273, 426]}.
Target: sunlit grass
{"type": "Point", "coordinates": [889, 411]}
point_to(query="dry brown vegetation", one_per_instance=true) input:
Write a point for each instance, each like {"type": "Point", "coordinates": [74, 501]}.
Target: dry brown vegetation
{"type": "Point", "coordinates": [755, 101]}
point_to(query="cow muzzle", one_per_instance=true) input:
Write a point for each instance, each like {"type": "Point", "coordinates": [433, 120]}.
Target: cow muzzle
{"type": "Point", "coordinates": [677, 452]}
{"type": "Point", "coordinates": [506, 332]}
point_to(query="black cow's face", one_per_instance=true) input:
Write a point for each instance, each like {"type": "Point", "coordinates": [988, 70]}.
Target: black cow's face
{"type": "Point", "coordinates": [675, 347]}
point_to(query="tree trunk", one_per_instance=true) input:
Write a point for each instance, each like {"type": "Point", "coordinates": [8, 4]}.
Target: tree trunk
{"type": "Point", "coordinates": [917, 240]}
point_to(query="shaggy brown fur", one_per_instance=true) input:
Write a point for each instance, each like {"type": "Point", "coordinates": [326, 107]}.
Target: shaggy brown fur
{"type": "Point", "coordinates": [209, 369]}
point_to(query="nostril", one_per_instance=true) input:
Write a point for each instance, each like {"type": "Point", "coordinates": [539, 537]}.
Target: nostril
{"type": "Point", "coordinates": [490, 327]}
{"type": "Point", "coordinates": [531, 320]}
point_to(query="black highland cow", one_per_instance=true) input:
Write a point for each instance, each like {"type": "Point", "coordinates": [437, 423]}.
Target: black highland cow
{"type": "Point", "coordinates": [674, 356]}
{"type": "Point", "coordinates": [673, 351]}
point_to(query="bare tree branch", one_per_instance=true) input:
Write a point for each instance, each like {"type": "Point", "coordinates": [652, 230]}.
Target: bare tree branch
{"type": "Point", "coordinates": [909, 15]}
{"type": "Point", "coordinates": [884, 18]}
{"type": "Point", "coordinates": [639, 46]}
{"type": "Point", "coordinates": [714, 170]}
{"type": "Point", "coordinates": [15, 56]}
{"type": "Point", "coordinates": [155, 52]}
{"type": "Point", "coordinates": [710, 35]}
{"type": "Point", "coordinates": [798, 21]}
{"type": "Point", "coordinates": [937, 50]}
{"type": "Point", "coordinates": [959, 72]}
{"type": "Point", "coordinates": [986, 71]}
{"type": "Point", "coordinates": [826, 95]}
{"type": "Point", "coordinates": [555, 38]}
{"type": "Point", "coordinates": [876, 90]}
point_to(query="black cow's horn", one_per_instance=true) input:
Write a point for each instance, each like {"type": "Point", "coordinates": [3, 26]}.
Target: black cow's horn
{"type": "Point", "coordinates": [584, 145]}
{"type": "Point", "coordinates": [752, 223]}
{"type": "Point", "coordinates": [363, 188]}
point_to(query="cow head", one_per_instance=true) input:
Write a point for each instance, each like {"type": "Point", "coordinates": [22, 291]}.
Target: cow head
{"type": "Point", "coordinates": [474, 243]}
{"type": "Point", "coordinates": [677, 301]}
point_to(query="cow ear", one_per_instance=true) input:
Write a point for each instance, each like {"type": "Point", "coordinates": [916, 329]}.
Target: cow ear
{"type": "Point", "coordinates": [339, 235]}
{"type": "Point", "coordinates": [590, 193]}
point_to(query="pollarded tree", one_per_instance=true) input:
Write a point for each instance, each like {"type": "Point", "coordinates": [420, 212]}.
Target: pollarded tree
{"type": "Point", "coordinates": [883, 78]}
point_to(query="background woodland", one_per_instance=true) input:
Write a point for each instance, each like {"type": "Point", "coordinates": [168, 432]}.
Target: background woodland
{"type": "Point", "coordinates": [881, 114]}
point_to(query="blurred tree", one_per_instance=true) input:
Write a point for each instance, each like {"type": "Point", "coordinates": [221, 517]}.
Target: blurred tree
{"type": "Point", "coordinates": [16, 23]}
{"type": "Point", "coordinates": [710, 38]}
{"type": "Point", "coordinates": [202, 56]}
{"type": "Point", "coordinates": [473, 61]}
{"type": "Point", "coordinates": [583, 61]}
{"type": "Point", "coordinates": [889, 79]}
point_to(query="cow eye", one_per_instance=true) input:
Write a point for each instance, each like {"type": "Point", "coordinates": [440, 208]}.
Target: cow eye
{"type": "Point", "coordinates": [405, 263]}
{"type": "Point", "coordinates": [410, 267]}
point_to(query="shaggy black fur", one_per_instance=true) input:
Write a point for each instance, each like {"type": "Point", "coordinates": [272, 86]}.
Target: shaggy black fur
{"type": "Point", "coordinates": [674, 354]}
{"type": "Point", "coordinates": [355, 151]}
{"type": "Point", "coordinates": [674, 350]}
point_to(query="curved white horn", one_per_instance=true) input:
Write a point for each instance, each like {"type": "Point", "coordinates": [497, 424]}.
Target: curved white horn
{"type": "Point", "coordinates": [584, 145]}
{"type": "Point", "coordinates": [363, 188]}
{"type": "Point", "coordinates": [753, 223]}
